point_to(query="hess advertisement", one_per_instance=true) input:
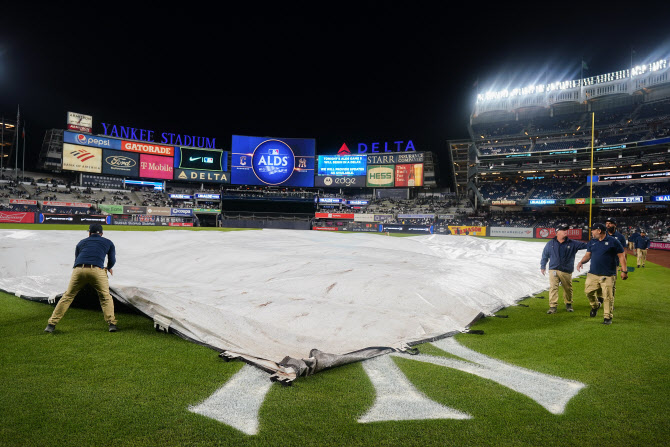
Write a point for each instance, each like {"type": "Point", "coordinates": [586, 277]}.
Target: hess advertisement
{"type": "Point", "coordinates": [409, 175]}
{"type": "Point", "coordinates": [272, 161]}
{"type": "Point", "coordinates": [155, 166]}
{"type": "Point", "coordinates": [80, 158]}
{"type": "Point", "coordinates": [381, 176]}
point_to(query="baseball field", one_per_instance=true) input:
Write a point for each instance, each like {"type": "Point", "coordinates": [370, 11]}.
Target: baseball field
{"type": "Point", "coordinates": [84, 386]}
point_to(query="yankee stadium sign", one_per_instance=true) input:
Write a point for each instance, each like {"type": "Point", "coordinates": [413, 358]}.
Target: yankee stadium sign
{"type": "Point", "coordinates": [132, 133]}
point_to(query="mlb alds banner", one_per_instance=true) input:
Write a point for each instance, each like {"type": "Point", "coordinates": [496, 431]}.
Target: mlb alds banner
{"type": "Point", "coordinates": [83, 159]}
{"type": "Point", "coordinates": [154, 166]}
{"type": "Point", "coordinates": [510, 232]}
{"type": "Point", "coordinates": [16, 217]}
{"type": "Point", "coordinates": [465, 230]}
{"type": "Point", "coordinates": [548, 233]}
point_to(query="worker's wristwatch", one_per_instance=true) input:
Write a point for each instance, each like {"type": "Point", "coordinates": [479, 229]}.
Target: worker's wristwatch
{"type": "Point", "coordinates": [624, 272]}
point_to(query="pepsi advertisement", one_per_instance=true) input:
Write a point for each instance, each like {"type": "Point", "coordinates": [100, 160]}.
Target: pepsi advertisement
{"type": "Point", "coordinates": [273, 161]}
{"type": "Point", "coordinates": [91, 140]}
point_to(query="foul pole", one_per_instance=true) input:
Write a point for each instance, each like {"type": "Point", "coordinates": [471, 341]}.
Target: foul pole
{"type": "Point", "coordinates": [593, 120]}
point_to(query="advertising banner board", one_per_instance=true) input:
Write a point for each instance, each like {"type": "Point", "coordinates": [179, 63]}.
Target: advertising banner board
{"type": "Point", "coordinates": [155, 166]}
{"type": "Point", "coordinates": [111, 209]}
{"type": "Point", "coordinates": [510, 232]}
{"type": "Point", "coordinates": [381, 176]}
{"type": "Point", "coordinates": [83, 159]}
{"type": "Point", "coordinates": [409, 175]}
{"type": "Point", "coordinates": [396, 158]}
{"type": "Point", "coordinates": [80, 122]}
{"type": "Point", "coordinates": [548, 233]}
{"type": "Point", "coordinates": [334, 215]}
{"type": "Point", "coordinates": [201, 159]}
{"type": "Point", "coordinates": [148, 148]}
{"type": "Point", "coordinates": [74, 219]}
{"type": "Point", "coordinates": [16, 217]}
{"type": "Point", "coordinates": [126, 164]}
{"type": "Point", "coordinates": [465, 230]}
{"type": "Point", "coordinates": [660, 245]}
{"type": "Point", "coordinates": [67, 204]}
{"type": "Point", "coordinates": [414, 229]}
{"type": "Point", "coordinates": [328, 181]}
{"type": "Point", "coordinates": [102, 181]}
{"type": "Point", "coordinates": [22, 202]}
{"type": "Point", "coordinates": [91, 140]}
{"type": "Point", "coordinates": [189, 175]}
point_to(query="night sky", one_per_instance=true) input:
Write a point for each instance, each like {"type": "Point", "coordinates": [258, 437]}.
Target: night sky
{"type": "Point", "coordinates": [365, 75]}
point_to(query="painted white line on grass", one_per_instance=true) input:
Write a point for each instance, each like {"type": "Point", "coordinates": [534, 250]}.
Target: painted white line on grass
{"type": "Point", "coordinates": [238, 402]}
{"type": "Point", "coordinates": [397, 399]}
{"type": "Point", "coordinates": [552, 392]}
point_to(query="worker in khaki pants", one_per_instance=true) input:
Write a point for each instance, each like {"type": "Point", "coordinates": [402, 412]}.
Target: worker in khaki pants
{"type": "Point", "coordinates": [602, 250]}
{"type": "Point", "coordinates": [560, 252]}
{"type": "Point", "coordinates": [89, 268]}
{"type": "Point", "coordinates": [642, 245]}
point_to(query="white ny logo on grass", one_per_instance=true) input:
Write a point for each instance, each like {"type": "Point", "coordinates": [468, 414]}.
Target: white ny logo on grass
{"type": "Point", "coordinates": [238, 402]}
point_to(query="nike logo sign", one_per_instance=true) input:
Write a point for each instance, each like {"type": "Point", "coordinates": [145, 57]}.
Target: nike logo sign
{"type": "Point", "coordinates": [194, 158]}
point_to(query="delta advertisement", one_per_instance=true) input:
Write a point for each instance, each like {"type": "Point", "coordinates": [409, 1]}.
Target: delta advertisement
{"type": "Point", "coordinates": [16, 217]}
{"type": "Point", "coordinates": [189, 175]}
{"type": "Point", "coordinates": [80, 158]}
{"type": "Point", "coordinates": [510, 232]}
{"type": "Point", "coordinates": [548, 233]}
{"type": "Point", "coordinates": [272, 161]}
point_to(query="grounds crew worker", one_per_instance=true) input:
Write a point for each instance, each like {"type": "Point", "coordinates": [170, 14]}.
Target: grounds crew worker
{"type": "Point", "coordinates": [89, 269]}
{"type": "Point", "coordinates": [641, 246]}
{"type": "Point", "coordinates": [560, 251]}
{"type": "Point", "coordinates": [602, 250]}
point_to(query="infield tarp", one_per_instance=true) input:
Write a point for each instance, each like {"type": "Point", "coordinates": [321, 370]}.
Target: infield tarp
{"type": "Point", "coordinates": [271, 294]}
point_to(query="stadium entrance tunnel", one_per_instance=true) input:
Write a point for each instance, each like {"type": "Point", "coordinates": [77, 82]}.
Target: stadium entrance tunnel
{"type": "Point", "coordinates": [293, 303]}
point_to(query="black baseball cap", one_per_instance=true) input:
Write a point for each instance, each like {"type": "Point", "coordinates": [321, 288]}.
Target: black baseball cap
{"type": "Point", "coordinates": [611, 220]}
{"type": "Point", "coordinates": [599, 226]}
{"type": "Point", "coordinates": [562, 227]}
{"type": "Point", "coordinates": [95, 228]}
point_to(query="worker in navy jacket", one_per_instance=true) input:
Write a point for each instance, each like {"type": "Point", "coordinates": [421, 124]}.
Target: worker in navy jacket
{"type": "Point", "coordinates": [560, 252]}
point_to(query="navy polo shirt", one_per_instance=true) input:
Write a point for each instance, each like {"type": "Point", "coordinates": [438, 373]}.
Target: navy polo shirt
{"type": "Point", "coordinates": [604, 255]}
{"type": "Point", "coordinates": [93, 251]}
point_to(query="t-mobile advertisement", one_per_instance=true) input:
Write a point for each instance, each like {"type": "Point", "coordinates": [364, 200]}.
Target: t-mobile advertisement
{"type": "Point", "coordinates": [155, 166]}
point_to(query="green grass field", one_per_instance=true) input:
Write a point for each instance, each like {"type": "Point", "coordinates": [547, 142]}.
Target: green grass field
{"type": "Point", "coordinates": [83, 386]}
